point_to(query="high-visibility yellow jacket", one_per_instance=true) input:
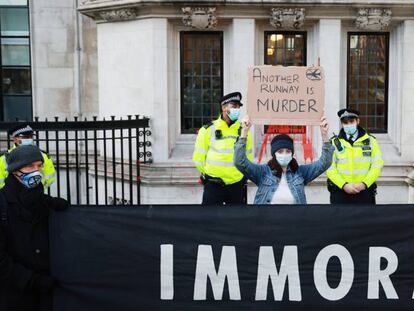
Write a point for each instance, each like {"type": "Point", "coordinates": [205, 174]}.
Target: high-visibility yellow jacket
{"type": "Point", "coordinates": [360, 162]}
{"type": "Point", "coordinates": [48, 171]}
{"type": "Point", "coordinates": [214, 150]}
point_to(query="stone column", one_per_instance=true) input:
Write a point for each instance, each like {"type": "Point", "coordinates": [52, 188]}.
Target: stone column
{"type": "Point", "coordinates": [160, 116]}
{"type": "Point", "coordinates": [410, 182]}
{"type": "Point", "coordinates": [330, 56]}
{"type": "Point", "coordinates": [242, 55]}
{"type": "Point", "coordinates": [241, 58]}
{"type": "Point", "coordinates": [133, 75]}
{"type": "Point", "coordinates": [407, 89]}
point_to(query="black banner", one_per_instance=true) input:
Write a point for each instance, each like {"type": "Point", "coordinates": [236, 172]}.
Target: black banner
{"type": "Point", "coordinates": [234, 258]}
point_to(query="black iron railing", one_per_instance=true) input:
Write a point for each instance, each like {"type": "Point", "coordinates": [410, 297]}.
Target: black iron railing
{"type": "Point", "coordinates": [96, 161]}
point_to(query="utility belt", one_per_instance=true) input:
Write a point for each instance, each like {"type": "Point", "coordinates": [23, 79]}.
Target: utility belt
{"type": "Point", "coordinates": [206, 179]}
{"type": "Point", "coordinates": [334, 188]}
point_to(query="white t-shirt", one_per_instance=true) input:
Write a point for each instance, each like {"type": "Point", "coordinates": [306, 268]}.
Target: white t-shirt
{"type": "Point", "coordinates": [283, 195]}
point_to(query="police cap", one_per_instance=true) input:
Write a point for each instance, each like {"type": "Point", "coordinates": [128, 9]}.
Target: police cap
{"type": "Point", "coordinates": [234, 97]}
{"type": "Point", "coordinates": [348, 113]}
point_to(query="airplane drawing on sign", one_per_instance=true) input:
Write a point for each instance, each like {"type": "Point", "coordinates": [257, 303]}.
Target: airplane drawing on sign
{"type": "Point", "coordinates": [314, 74]}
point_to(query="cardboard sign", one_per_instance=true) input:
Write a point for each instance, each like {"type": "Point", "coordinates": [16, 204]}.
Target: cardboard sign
{"type": "Point", "coordinates": [286, 95]}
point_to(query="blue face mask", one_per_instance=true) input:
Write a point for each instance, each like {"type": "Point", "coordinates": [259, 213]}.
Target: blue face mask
{"type": "Point", "coordinates": [32, 179]}
{"type": "Point", "coordinates": [350, 129]}
{"type": "Point", "coordinates": [234, 114]}
{"type": "Point", "coordinates": [27, 141]}
{"type": "Point", "coordinates": [283, 160]}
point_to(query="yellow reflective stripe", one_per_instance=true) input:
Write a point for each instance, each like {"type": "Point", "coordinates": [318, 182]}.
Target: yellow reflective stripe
{"type": "Point", "coordinates": [228, 137]}
{"type": "Point", "coordinates": [227, 150]}
{"type": "Point", "coordinates": [200, 150]}
{"type": "Point", "coordinates": [377, 165]}
{"type": "Point", "coordinates": [360, 171]}
{"type": "Point", "coordinates": [50, 176]}
{"type": "Point", "coordinates": [219, 163]}
{"type": "Point", "coordinates": [212, 134]}
{"type": "Point", "coordinates": [344, 160]}
{"type": "Point", "coordinates": [224, 151]}
{"type": "Point", "coordinates": [362, 160]}
{"type": "Point", "coordinates": [198, 163]}
{"type": "Point", "coordinates": [356, 160]}
{"type": "Point", "coordinates": [346, 172]}
{"type": "Point", "coordinates": [377, 158]}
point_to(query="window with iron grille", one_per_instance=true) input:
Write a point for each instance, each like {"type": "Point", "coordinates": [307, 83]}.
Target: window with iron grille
{"type": "Point", "coordinates": [285, 48]}
{"type": "Point", "coordinates": [367, 85]}
{"type": "Point", "coordinates": [201, 78]}
{"type": "Point", "coordinates": [15, 73]}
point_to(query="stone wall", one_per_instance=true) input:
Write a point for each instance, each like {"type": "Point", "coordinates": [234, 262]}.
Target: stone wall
{"type": "Point", "coordinates": [136, 48]}
{"type": "Point", "coordinates": [64, 69]}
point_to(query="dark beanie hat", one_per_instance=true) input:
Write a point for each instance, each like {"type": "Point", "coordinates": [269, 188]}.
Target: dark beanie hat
{"type": "Point", "coordinates": [22, 156]}
{"type": "Point", "coordinates": [281, 141]}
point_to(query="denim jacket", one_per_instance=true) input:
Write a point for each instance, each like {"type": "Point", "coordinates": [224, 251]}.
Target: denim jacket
{"type": "Point", "coordinates": [267, 182]}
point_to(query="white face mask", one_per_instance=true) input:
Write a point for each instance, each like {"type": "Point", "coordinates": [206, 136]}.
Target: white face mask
{"type": "Point", "coordinates": [350, 129]}
{"type": "Point", "coordinates": [26, 141]}
{"type": "Point", "coordinates": [284, 159]}
{"type": "Point", "coordinates": [234, 113]}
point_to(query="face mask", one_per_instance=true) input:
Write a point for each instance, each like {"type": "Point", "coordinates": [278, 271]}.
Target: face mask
{"type": "Point", "coordinates": [234, 114]}
{"type": "Point", "coordinates": [26, 141]}
{"type": "Point", "coordinates": [32, 179]}
{"type": "Point", "coordinates": [350, 129]}
{"type": "Point", "coordinates": [283, 160]}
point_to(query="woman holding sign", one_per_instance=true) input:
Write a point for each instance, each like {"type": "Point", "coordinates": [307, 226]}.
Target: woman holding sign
{"type": "Point", "coordinates": [282, 180]}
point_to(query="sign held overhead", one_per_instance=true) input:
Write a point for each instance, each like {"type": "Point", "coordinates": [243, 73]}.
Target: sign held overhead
{"type": "Point", "coordinates": [286, 95]}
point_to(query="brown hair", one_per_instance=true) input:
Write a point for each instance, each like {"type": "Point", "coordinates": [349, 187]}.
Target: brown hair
{"type": "Point", "coordinates": [275, 166]}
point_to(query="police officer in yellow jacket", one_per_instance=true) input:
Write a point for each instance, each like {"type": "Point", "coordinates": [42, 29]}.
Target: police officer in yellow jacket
{"type": "Point", "coordinates": [357, 163]}
{"type": "Point", "coordinates": [214, 151]}
{"type": "Point", "coordinates": [23, 135]}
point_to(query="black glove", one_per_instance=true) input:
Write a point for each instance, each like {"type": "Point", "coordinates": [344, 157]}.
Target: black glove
{"type": "Point", "coordinates": [43, 284]}
{"type": "Point", "coordinates": [59, 204]}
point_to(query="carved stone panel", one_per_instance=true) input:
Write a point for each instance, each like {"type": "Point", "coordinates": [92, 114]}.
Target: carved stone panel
{"type": "Point", "coordinates": [375, 19]}
{"type": "Point", "coordinates": [117, 15]}
{"type": "Point", "coordinates": [87, 2]}
{"type": "Point", "coordinates": [200, 18]}
{"type": "Point", "coordinates": [287, 18]}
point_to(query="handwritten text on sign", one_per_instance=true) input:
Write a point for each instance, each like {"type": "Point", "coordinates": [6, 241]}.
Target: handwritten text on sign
{"type": "Point", "coordinates": [286, 95]}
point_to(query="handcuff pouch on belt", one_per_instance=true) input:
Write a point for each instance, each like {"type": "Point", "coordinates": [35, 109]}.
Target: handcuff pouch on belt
{"type": "Point", "coordinates": [212, 180]}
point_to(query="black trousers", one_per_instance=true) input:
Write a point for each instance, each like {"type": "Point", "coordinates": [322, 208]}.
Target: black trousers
{"type": "Point", "coordinates": [229, 194]}
{"type": "Point", "coordinates": [366, 196]}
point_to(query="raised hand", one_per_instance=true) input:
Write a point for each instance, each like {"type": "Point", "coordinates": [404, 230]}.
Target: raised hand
{"type": "Point", "coordinates": [246, 125]}
{"type": "Point", "coordinates": [324, 129]}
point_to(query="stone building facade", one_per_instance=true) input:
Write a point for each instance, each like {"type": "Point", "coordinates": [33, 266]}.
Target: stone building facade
{"type": "Point", "coordinates": [171, 60]}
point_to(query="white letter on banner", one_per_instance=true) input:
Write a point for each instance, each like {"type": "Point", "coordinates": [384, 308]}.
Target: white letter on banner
{"type": "Point", "coordinates": [227, 269]}
{"type": "Point", "coordinates": [376, 275]}
{"type": "Point", "coordinates": [289, 271]}
{"type": "Point", "coordinates": [167, 272]}
{"type": "Point", "coordinates": [347, 274]}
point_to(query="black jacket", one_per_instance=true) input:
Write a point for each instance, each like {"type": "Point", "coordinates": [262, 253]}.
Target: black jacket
{"type": "Point", "coordinates": [25, 281]}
